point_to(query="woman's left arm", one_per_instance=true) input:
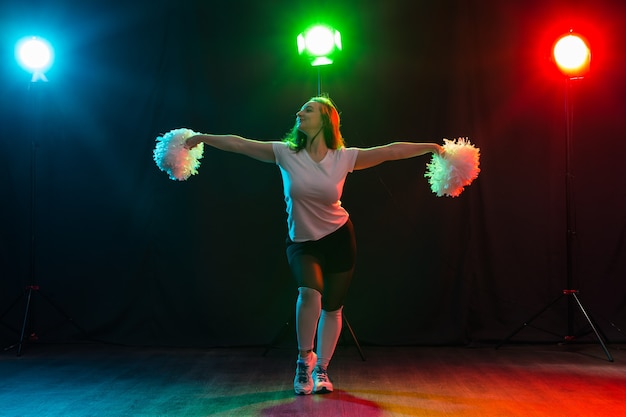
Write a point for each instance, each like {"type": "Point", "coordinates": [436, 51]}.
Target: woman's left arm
{"type": "Point", "coordinates": [369, 157]}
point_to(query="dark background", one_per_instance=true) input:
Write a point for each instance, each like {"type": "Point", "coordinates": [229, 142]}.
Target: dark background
{"type": "Point", "coordinates": [136, 258]}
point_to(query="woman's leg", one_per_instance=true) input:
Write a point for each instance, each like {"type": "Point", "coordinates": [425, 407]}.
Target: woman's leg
{"type": "Point", "coordinates": [329, 328]}
{"type": "Point", "coordinates": [308, 275]}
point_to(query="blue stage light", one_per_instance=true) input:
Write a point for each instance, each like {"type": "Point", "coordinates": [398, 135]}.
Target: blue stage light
{"type": "Point", "coordinates": [35, 55]}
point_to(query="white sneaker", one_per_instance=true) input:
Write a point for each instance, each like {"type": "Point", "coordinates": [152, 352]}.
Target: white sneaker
{"type": "Point", "coordinates": [302, 382]}
{"type": "Point", "coordinates": [321, 381]}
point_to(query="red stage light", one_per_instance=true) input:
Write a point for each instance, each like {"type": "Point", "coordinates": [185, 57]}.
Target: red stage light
{"type": "Point", "coordinates": [572, 55]}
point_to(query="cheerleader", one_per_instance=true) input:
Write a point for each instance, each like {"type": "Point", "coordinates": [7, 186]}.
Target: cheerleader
{"type": "Point", "coordinates": [321, 249]}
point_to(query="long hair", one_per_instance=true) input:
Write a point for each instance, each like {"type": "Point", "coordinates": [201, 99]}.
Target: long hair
{"type": "Point", "coordinates": [330, 122]}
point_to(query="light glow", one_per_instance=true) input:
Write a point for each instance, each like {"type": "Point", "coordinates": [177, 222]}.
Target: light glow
{"type": "Point", "coordinates": [35, 55]}
{"type": "Point", "coordinates": [319, 40]}
{"type": "Point", "coordinates": [319, 43]}
{"type": "Point", "coordinates": [572, 55]}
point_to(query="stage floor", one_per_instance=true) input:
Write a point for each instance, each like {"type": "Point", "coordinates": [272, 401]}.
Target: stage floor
{"type": "Point", "coordinates": [104, 380]}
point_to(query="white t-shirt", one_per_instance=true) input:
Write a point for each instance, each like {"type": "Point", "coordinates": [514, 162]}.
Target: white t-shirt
{"type": "Point", "coordinates": [313, 190]}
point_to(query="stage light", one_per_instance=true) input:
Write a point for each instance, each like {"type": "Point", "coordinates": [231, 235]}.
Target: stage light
{"type": "Point", "coordinates": [320, 44]}
{"type": "Point", "coordinates": [35, 55]}
{"type": "Point", "coordinates": [572, 55]}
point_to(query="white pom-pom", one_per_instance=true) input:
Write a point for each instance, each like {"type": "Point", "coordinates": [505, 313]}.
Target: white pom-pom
{"type": "Point", "coordinates": [172, 157]}
{"type": "Point", "coordinates": [449, 173]}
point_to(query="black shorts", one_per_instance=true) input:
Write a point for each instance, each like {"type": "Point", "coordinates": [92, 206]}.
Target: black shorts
{"type": "Point", "coordinates": [336, 252]}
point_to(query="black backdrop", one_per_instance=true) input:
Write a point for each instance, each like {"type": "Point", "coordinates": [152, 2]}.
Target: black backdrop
{"type": "Point", "coordinates": [136, 258]}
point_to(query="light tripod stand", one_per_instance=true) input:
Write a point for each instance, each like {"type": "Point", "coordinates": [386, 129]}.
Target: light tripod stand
{"type": "Point", "coordinates": [573, 300]}
{"type": "Point", "coordinates": [36, 92]}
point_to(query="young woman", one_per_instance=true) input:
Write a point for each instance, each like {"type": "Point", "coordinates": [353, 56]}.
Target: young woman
{"type": "Point", "coordinates": [321, 248]}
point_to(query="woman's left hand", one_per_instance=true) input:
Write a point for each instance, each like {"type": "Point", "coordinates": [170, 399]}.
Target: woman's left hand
{"type": "Point", "coordinates": [193, 141]}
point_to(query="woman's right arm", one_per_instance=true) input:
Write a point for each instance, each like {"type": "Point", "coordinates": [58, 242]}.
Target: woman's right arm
{"type": "Point", "coordinates": [262, 151]}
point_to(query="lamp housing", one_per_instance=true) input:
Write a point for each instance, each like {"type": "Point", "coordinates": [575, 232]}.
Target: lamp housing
{"type": "Point", "coordinates": [35, 55]}
{"type": "Point", "coordinates": [572, 55]}
{"type": "Point", "coordinates": [319, 44]}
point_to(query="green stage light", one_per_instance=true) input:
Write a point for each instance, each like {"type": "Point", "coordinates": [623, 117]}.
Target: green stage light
{"type": "Point", "coordinates": [320, 44]}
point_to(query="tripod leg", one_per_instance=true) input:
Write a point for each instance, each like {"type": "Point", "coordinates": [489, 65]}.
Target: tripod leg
{"type": "Point", "coordinates": [25, 323]}
{"type": "Point", "coordinates": [356, 342]}
{"type": "Point", "coordinates": [582, 309]}
{"type": "Point", "coordinates": [528, 322]}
